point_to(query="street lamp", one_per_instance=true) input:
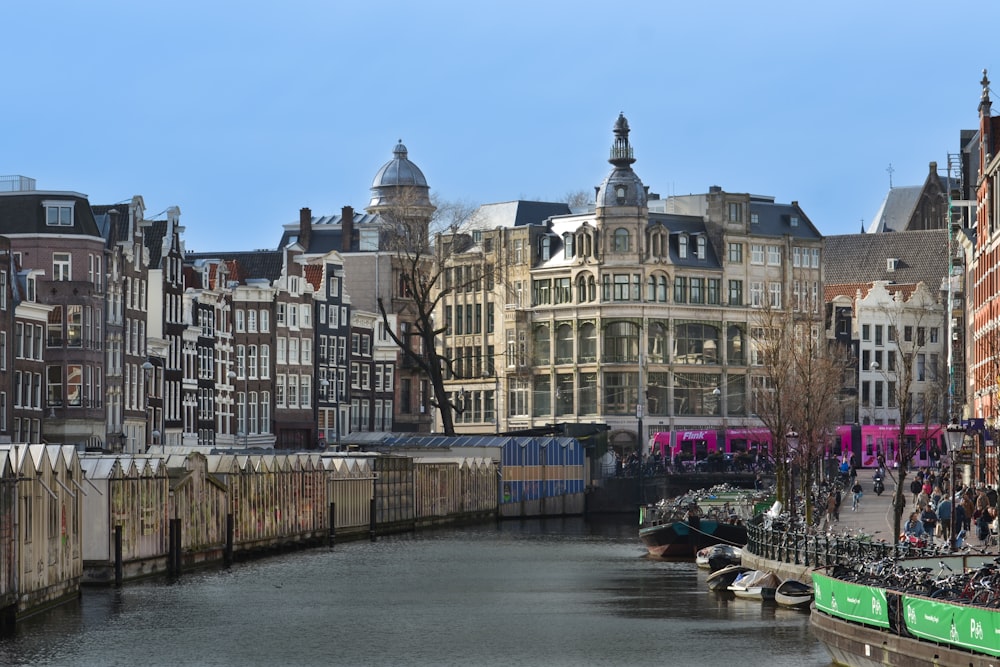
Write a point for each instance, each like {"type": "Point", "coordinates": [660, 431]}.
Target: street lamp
{"type": "Point", "coordinates": [956, 435]}
{"type": "Point", "coordinates": [792, 446]}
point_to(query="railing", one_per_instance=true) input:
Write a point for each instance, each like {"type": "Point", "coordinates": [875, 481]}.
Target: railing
{"type": "Point", "coordinates": [822, 549]}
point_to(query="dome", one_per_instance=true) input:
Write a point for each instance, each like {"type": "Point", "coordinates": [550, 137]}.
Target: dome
{"type": "Point", "coordinates": [622, 187]}
{"type": "Point", "coordinates": [398, 173]}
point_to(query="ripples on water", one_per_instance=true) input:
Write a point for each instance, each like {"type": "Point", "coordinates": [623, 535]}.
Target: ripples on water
{"type": "Point", "coordinates": [553, 593]}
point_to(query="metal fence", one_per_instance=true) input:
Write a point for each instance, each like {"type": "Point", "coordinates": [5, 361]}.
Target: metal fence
{"type": "Point", "coordinates": [822, 549]}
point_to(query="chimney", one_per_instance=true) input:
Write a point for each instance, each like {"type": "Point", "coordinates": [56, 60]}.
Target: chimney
{"type": "Point", "coordinates": [346, 228]}
{"type": "Point", "coordinates": [305, 228]}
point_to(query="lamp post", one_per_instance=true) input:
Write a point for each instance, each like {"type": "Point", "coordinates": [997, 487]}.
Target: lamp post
{"type": "Point", "coordinates": [956, 435]}
{"type": "Point", "coordinates": [792, 446]}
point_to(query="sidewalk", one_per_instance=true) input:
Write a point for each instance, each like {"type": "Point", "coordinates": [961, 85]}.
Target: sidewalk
{"type": "Point", "coordinates": [874, 514]}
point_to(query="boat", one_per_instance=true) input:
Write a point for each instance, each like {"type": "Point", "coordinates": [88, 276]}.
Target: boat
{"type": "Point", "coordinates": [794, 594]}
{"type": "Point", "coordinates": [682, 526]}
{"type": "Point", "coordinates": [755, 585]}
{"type": "Point", "coordinates": [721, 579]}
{"type": "Point", "coordinates": [724, 555]}
{"type": "Point", "coordinates": [718, 556]}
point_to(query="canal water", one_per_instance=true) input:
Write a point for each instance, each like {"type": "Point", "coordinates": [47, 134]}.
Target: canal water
{"type": "Point", "coordinates": [548, 592]}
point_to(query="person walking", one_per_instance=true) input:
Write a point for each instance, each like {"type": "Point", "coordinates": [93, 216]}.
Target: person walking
{"type": "Point", "coordinates": [831, 509]}
{"type": "Point", "coordinates": [857, 491]}
{"type": "Point", "coordinates": [944, 518]}
{"type": "Point", "coordinates": [929, 518]}
{"type": "Point", "coordinates": [836, 505]}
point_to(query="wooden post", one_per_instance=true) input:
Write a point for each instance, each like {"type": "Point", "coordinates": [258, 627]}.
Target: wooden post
{"type": "Point", "coordinates": [333, 523]}
{"type": "Point", "coordinates": [118, 556]}
{"type": "Point", "coordinates": [230, 532]}
{"type": "Point", "coordinates": [371, 520]}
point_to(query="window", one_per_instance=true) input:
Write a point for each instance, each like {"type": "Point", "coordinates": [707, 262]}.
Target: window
{"type": "Point", "coordinates": [682, 246]}
{"type": "Point", "coordinates": [74, 326]}
{"type": "Point", "coordinates": [621, 342]}
{"type": "Point", "coordinates": [61, 266]}
{"type": "Point", "coordinates": [240, 320]}
{"type": "Point", "coordinates": [774, 255]}
{"type": "Point", "coordinates": [620, 240]}
{"type": "Point", "coordinates": [564, 344]}
{"type": "Point", "coordinates": [735, 212]}
{"type": "Point", "coordinates": [544, 248]}
{"type": "Point", "coordinates": [265, 325]}
{"type": "Point", "coordinates": [680, 289]}
{"type": "Point", "coordinates": [280, 317]}
{"type": "Point", "coordinates": [702, 247]}
{"type": "Point", "coordinates": [796, 256]}
{"type": "Point", "coordinates": [251, 321]}
{"type": "Point", "coordinates": [563, 291]}
{"type": "Point", "coordinates": [567, 246]}
{"type": "Point", "coordinates": [934, 334]}
{"type": "Point", "coordinates": [735, 292]}
{"type": "Point", "coordinates": [58, 213]}
{"type": "Point", "coordinates": [621, 287]}
{"type": "Point", "coordinates": [756, 294]}
{"type": "Point", "coordinates": [696, 343]}
{"type": "Point", "coordinates": [775, 291]}
{"type": "Point", "coordinates": [866, 332]}
{"type": "Point", "coordinates": [541, 345]}
{"type": "Point", "coordinates": [878, 334]}
{"type": "Point", "coordinates": [754, 218]}
{"type": "Point", "coordinates": [588, 343]}
{"type": "Point", "coordinates": [756, 253]}
{"type": "Point", "coordinates": [814, 253]}
{"type": "Point", "coordinates": [697, 290]}
{"type": "Point", "coordinates": [621, 393]}
{"type": "Point", "coordinates": [715, 291]}
{"type": "Point", "coordinates": [735, 252]}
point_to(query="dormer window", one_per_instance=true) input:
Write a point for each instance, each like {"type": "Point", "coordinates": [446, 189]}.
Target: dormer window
{"type": "Point", "coordinates": [544, 248]}
{"type": "Point", "coordinates": [890, 264]}
{"type": "Point", "coordinates": [682, 246]}
{"type": "Point", "coordinates": [701, 247]}
{"type": "Point", "coordinates": [620, 192]}
{"type": "Point", "coordinates": [567, 246]}
{"type": "Point", "coordinates": [794, 222]}
{"type": "Point", "coordinates": [58, 213]}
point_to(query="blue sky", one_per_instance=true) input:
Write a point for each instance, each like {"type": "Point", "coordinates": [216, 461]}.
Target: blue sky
{"type": "Point", "coordinates": [243, 113]}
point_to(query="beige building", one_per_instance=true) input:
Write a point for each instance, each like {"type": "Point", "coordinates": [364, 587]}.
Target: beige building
{"type": "Point", "coordinates": [639, 311]}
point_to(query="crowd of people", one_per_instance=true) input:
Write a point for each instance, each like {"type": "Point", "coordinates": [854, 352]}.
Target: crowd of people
{"type": "Point", "coordinates": [974, 510]}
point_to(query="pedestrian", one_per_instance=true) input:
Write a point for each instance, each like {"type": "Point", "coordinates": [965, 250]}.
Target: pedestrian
{"type": "Point", "coordinates": [968, 509]}
{"type": "Point", "coordinates": [831, 508]}
{"type": "Point", "coordinates": [929, 518]}
{"type": "Point", "coordinates": [961, 519]}
{"type": "Point", "coordinates": [913, 528]}
{"type": "Point", "coordinates": [836, 507]}
{"type": "Point", "coordinates": [944, 518]}
{"type": "Point", "coordinates": [915, 486]}
{"type": "Point", "coordinates": [857, 491]}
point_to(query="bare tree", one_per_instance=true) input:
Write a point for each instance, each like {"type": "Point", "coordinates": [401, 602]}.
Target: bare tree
{"type": "Point", "coordinates": [578, 198]}
{"type": "Point", "coordinates": [422, 278]}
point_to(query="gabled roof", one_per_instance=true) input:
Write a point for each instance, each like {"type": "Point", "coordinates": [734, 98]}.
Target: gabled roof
{"type": "Point", "coordinates": [516, 213]}
{"type": "Point", "coordinates": [246, 264]}
{"type": "Point", "coordinates": [921, 256]}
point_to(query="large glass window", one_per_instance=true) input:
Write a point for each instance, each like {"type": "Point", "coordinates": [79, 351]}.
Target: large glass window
{"type": "Point", "coordinates": [680, 289]}
{"type": "Point", "coordinates": [694, 394]}
{"type": "Point", "coordinates": [54, 330]}
{"type": "Point", "coordinates": [735, 292]}
{"type": "Point", "coordinates": [735, 345]}
{"type": "Point", "coordinates": [621, 393]}
{"type": "Point", "coordinates": [74, 326]}
{"type": "Point", "coordinates": [657, 394]}
{"type": "Point", "coordinates": [588, 343]}
{"type": "Point", "coordinates": [587, 394]}
{"type": "Point", "coordinates": [541, 345]}
{"type": "Point", "coordinates": [564, 394]}
{"type": "Point", "coordinates": [542, 396]}
{"type": "Point", "coordinates": [564, 344]}
{"type": "Point", "coordinates": [621, 342]}
{"type": "Point", "coordinates": [656, 342]}
{"type": "Point", "coordinates": [696, 343]}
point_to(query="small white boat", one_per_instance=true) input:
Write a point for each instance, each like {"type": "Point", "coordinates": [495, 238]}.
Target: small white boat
{"type": "Point", "coordinates": [794, 594]}
{"type": "Point", "coordinates": [701, 558]}
{"type": "Point", "coordinates": [755, 585]}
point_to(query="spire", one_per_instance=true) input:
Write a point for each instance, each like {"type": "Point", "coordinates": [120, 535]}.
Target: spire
{"type": "Point", "coordinates": [621, 152]}
{"type": "Point", "coordinates": [984, 100]}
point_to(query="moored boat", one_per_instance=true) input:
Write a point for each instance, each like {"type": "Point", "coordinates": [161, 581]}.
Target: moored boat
{"type": "Point", "coordinates": [794, 594]}
{"type": "Point", "coordinates": [721, 579]}
{"type": "Point", "coordinates": [724, 555]}
{"type": "Point", "coordinates": [701, 558]}
{"type": "Point", "coordinates": [681, 527]}
{"type": "Point", "coordinates": [755, 585]}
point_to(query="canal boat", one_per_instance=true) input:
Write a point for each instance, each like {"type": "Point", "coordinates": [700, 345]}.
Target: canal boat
{"type": "Point", "coordinates": [682, 526]}
{"type": "Point", "coordinates": [794, 594]}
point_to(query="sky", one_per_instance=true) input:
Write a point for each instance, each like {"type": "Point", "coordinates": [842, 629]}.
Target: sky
{"type": "Point", "coordinates": [241, 113]}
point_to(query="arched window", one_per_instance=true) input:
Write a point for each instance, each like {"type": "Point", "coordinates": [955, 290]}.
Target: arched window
{"type": "Point", "coordinates": [651, 288]}
{"type": "Point", "coordinates": [701, 247]}
{"type": "Point", "coordinates": [621, 240]}
{"type": "Point", "coordinates": [564, 344]}
{"type": "Point", "coordinates": [568, 246]}
{"type": "Point", "coordinates": [581, 288]}
{"type": "Point", "coordinates": [682, 246]}
{"type": "Point", "coordinates": [591, 288]}
{"type": "Point", "coordinates": [544, 247]}
{"type": "Point", "coordinates": [621, 343]}
{"type": "Point", "coordinates": [541, 345]}
{"type": "Point", "coordinates": [588, 343]}
{"type": "Point", "coordinates": [661, 289]}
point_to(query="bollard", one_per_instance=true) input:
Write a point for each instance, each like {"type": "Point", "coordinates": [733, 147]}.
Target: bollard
{"type": "Point", "coordinates": [333, 523]}
{"type": "Point", "coordinates": [371, 520]}
{"type": "Point", "coordinates": [118, 556]}
{"type": "Point", "coordinates": [230, 532]}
